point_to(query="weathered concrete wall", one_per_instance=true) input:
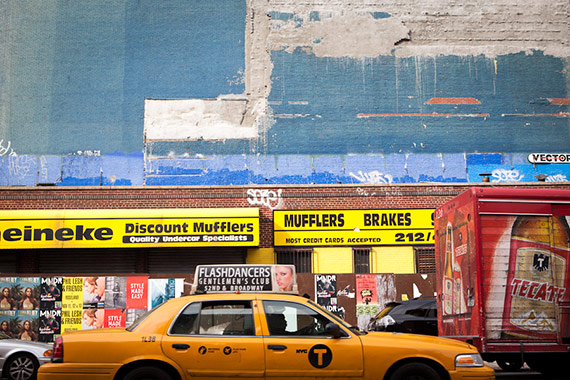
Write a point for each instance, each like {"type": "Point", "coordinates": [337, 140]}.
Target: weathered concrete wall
{"type": "Point", "coordinates": [281, 92]}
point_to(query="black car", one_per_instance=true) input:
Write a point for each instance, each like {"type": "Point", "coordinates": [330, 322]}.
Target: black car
{"type": "Point", "coordinates": [417, 316]}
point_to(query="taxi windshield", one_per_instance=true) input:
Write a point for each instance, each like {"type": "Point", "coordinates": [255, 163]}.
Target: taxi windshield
{"type": "Point", "coordinates": [143, 317]}
{"type": "Point", "coordinates": [337, 319]}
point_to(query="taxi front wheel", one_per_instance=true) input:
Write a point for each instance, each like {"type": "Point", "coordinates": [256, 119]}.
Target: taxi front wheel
{"type": "Point", "coordinates": [415, 371]}
{"type": "Point", "coordinates": [147, 373]}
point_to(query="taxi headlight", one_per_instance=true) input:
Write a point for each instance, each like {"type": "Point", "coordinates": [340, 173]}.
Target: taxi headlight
{"type": "Point", "coordinates": [469, 360]}
{"type": "Point", "coordinates": [387, 321]}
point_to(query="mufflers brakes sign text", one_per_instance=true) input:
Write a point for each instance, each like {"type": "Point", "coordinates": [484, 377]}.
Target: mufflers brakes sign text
{"type": "Point", "coordinates": [353, 227]}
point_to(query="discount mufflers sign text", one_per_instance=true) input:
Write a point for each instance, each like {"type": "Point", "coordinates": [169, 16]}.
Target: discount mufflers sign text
{"type": "Point", "coordinates": [120, 228]}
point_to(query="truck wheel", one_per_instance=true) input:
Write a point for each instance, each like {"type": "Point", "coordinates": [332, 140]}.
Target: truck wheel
{"type": "Point", "coordinates": [510, 364]}
{"type": "Point", "coordinates": [147, 373]}
{"type": "Point", "coordinates": [415, 371]}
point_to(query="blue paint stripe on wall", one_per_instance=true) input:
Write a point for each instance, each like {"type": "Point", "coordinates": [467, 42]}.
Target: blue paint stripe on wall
{"type": "Point", "coordinates": [127, 170]}
{"type": "Point", "coordinates": [520, 173]}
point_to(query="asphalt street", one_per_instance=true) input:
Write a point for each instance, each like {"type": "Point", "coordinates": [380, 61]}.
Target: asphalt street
{"type": "Point", "coordinates": [524, 373]}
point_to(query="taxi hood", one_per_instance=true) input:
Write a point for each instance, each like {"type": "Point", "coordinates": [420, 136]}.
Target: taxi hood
{"type": "Point", "coordinates": [414, 339]}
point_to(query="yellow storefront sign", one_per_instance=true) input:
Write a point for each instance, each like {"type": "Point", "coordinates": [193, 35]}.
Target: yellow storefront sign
{"type": "Point", "coordinates": [129, 228]}
{"type": "Point", "coordinates": [353, 227]}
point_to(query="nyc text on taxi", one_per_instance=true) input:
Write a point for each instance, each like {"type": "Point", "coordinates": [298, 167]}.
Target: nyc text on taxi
{"type": "Point", "coordinates": [255, 336]}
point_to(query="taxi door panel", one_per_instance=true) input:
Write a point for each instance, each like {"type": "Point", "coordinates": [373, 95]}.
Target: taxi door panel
{"type": "Point", "coordinates": [217, 339]}
{"type": "Point", "coordinates": [204, 357]}
{"type": "Point", "coordinates": [287, 358]}
{"type": "Point", "coordinates": [296, 345]}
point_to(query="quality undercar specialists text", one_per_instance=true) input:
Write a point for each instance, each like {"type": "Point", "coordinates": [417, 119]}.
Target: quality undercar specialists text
{"type": "Point", "coordinates": [186, 238]}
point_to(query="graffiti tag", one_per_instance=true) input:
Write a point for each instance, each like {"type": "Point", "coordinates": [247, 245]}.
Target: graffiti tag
{"type": "Point", "coordinates": [372, 177]}
{"type": "Point", "coordinates": [5, 148]}
{"type": "Point", "coordinates": [503, 175]}
{"type": "Point", "coordinates": [267, 198]}
{"type": "Point", "coordinates": [21, 166]}
{"type": "Point", "coordinates": [556, 178]}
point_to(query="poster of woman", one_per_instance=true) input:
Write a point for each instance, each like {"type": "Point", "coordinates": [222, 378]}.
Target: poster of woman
{"type": "Point", "coordinates": [284, 278]}
{"type": "Point", "coordinates": [94, 291]}
{"type": "Point", "coordinates": [8, 287]}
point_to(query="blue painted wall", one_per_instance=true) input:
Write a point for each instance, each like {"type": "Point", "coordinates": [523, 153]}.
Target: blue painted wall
{"type": "Point", "coordinates": [76, 74]}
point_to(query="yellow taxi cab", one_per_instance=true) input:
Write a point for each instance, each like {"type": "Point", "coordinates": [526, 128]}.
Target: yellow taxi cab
{"type": "Point", "coordinates": [254, 336]}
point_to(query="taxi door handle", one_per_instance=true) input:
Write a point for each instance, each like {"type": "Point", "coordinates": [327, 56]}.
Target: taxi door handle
{"type": "Point", "coordinates": [179, 346]}
{"type": "Point", "coordinates": [277, 347]}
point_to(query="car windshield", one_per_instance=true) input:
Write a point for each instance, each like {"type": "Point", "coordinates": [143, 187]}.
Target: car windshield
{"type": "Point", "coordinates": [384, 312]}
{"type": "Point", "coordinates": [416, 308]}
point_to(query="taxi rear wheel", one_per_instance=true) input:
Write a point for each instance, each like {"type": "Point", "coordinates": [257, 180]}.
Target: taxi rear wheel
{"type": "Point", "coordinates": [415, 371]}
{"type": "Point", "coordinates": [147, 373]}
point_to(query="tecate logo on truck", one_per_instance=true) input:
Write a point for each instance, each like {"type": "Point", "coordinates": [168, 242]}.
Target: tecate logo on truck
{"type": "Point", "coordinates": [549, 158]}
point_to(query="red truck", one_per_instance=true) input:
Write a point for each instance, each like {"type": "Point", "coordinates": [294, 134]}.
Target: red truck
{"type": "Point", "coordinates": [503, 275]}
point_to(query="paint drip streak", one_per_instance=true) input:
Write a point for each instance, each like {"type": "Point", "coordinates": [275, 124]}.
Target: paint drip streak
{"type": "Point", "coordinates": [561, 114]}
{"type": "Point", "coordinates": [361, 115]}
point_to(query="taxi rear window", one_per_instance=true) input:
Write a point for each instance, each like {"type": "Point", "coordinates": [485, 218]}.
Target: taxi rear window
{"type": "Point", "coordinates": [229, 317]}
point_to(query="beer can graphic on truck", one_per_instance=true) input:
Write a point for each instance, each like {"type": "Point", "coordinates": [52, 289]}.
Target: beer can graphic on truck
{"type": "Point", "coordinates": [448, 274]}
{"type": "Point", "coordinates": [539, 255]}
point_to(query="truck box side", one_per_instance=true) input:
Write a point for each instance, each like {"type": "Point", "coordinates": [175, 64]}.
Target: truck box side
{"type": "Point", "coordinates": [518, 260]}
{"type": "Point", "coordinates": [526, 255]}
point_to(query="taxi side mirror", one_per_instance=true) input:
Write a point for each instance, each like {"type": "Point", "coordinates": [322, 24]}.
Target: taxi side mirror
{"type": "Point", "coordinates": [333, 330]}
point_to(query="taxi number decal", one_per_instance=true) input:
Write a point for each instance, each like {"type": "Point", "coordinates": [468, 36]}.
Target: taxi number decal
{"type": "Point", "coordinates": [320, 356]}
{"type": "Point", "coordinates": [148, 339]}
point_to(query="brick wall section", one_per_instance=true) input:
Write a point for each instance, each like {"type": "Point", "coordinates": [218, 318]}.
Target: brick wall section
{"type": "Point", "coordinates": [291, 197]}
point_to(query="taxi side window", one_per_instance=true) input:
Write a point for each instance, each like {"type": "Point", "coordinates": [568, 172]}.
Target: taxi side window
{"type": "Point", "coordinates": [290, 318]}
{"type": "Point", "coordinates": [216, 318]}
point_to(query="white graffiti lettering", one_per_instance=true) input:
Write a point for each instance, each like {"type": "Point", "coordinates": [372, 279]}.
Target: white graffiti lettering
{"type": "Point", "coordinates": [43, 172]}
{"type": "Point", "coordinates": [267, 198]}
{"type": "Point", "coordinates": [89, 153]}
{"type": "Point", "coordinates": [556, 178]}
{"type": "Point", "coordinates": [372, 177]}
{"type": "Point", "coordinates": [21, 166]}
{"type": "Point", "coordinates": [503, 175]}
{"type": "Point", "coordinates": [364, 193]}
{"type": "Point", "coordinates": [6, 149]}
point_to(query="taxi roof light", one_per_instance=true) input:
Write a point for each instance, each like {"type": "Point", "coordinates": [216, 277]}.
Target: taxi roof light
{"type": "Point", "coordinates": [245, 278]}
